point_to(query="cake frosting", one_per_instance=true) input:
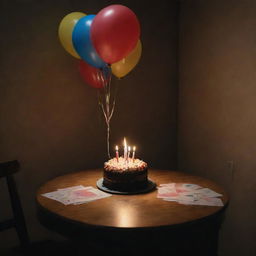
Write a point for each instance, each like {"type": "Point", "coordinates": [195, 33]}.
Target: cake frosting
{"type": "Point", "coordinates": [125, 175]}
{"type": "Point", "coordinates": [122, 165]}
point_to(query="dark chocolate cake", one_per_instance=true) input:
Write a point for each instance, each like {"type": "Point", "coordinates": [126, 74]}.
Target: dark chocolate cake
{"type": "Point", "coordinates": [125, 174]}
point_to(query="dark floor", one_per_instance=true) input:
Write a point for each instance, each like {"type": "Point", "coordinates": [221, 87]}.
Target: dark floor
{"type": "Point", "coordinates": [66, 248]}
{"type": "Point", "coordinates": [94, 248]}
{"type": "Point", "coordinates": [43, 248]}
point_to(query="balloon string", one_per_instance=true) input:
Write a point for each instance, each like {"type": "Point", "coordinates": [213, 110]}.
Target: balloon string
{"type": "Point", "coordinates": [114, 100]}
{"type": "Point", "coordinates": [108, 135]}
{"type": "Point", "coordinates": [100, 97]}
{"type": "Point", "coordinates": [109, 111]}
{"type": "Point", "coordinates": [105, 103]}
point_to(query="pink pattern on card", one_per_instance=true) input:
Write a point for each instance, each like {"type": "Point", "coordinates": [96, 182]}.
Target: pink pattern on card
{"type": "Point", "coordinates": [84, 193]}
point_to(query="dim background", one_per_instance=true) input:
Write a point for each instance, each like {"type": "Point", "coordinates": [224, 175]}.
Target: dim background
{"type": "Point", "coordinates": [188, 105]}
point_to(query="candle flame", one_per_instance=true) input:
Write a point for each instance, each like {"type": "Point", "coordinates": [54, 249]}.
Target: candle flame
{"type": "Point", "coordinates": [125, 145]}
{"type": "Point", "coordinates": [116, 148]}
{"type": "Point", "coordinates": [133, 153]}
{"type": "Point", "coordinates": [129, 148]}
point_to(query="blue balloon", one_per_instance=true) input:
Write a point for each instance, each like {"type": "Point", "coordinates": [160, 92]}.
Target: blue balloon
{"type": "Point", "coordinates": [83, 44]}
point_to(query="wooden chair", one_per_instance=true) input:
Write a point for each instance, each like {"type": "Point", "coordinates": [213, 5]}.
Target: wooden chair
{"type": "Point", "coordinates": [7, 169]}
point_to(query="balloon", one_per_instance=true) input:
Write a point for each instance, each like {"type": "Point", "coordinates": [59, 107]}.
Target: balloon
{"type": "Point", "coordinates": [82, 42]}
{"type": "Point", "coordinates": [115, 31]}
{"type": "Point", "coordinates": [65, 31]}
{"type": "Point", "coordinates": [124, 66]}
{"type": "Point", "coordinates": [91, 75]}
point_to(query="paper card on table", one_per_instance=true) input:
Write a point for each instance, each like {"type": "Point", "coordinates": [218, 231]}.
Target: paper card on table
{"type": "Point", "coordinates": [208, 192]}
{"type": "Point", "coordinates": [187, 198]}
{"type": "Point", "coordinates": [76, 195]}
{"type": "Point", "coordinates": [211, 201]}
{"type": "Point", "coordinates": [167, 192]}
{"type": "Point", "coordinates": [82, 196]}
{"type": "Point", "coordinates": [168, 185]}
{"type": "Point", "coordinates": [167, 189]}
{"type": "Point", "coordinates": [72, 188]}
{"type": "Point", "coordinates": [86, 193]}
{"type": "Point", "coordinates": [186, 187]}
{"type": "Point", "coordinates": [172, 198]}
{"type": "Point", "coordinates": [55, 196]}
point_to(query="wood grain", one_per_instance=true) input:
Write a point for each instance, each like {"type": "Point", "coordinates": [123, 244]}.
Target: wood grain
{"type": "Point", "coordinates": [128, 211]}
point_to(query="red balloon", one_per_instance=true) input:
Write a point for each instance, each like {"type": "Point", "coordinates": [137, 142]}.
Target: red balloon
{"type": "Point", "coordinates": [115, 31]}
{"type": "Point", "coordinates": [91, 75]}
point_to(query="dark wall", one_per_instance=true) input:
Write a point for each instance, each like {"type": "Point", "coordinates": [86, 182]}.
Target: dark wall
{"type": "Point", "coordinates": [50, 120]}
{"type": "Point", "coordinates": [217, 103]}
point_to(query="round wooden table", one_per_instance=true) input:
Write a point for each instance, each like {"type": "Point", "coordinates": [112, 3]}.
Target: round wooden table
{"type": "Point", "coordinates": [144, 216]}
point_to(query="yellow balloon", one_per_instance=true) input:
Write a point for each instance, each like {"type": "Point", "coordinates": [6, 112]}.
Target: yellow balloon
{"type": "Point", "coordinates": [66, 29]}
{"type": "Point", "coordinates": [124, 66]}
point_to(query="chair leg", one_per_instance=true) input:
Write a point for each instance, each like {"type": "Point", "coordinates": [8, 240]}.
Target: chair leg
{"type": "Point", "coordinates": [20, 223]}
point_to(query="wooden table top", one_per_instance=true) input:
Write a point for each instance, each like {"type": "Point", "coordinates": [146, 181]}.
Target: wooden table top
{"type": "Point", "coordinates": [128, 211]}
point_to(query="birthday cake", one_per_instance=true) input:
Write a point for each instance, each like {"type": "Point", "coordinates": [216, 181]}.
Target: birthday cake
{"type": "Point", "coordinates": [125, 174]}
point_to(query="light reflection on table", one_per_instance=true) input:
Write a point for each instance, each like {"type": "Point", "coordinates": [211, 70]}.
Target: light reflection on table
{"type": "Point", "coordinates": [125, 216]}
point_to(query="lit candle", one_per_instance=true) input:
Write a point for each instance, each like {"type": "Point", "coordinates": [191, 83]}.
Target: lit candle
{"type": "Point", "coordinates": [117, 154]}
{"type": "Point", "coordinates": [125, 149]}
{"type": "Point", "coordinates": [129, 150]}
{"type": "Point", "coordinates": [133, 153]}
